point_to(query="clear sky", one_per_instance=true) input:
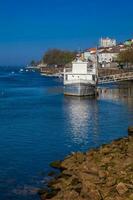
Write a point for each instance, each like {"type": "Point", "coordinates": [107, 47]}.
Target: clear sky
{"type": "Point", "coordinates": [29, 27]}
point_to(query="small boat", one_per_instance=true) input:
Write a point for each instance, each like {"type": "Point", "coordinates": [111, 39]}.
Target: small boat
{"type": "Point", "coordinates": [81, 79]}
{"type": "Point", "coordinates": [21, 70]}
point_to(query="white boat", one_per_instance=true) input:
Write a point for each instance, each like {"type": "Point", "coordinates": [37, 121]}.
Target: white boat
{"type": "Point", "coordinates": [21, 70]}
{"type": "Point", "coordinates": [81, 78]}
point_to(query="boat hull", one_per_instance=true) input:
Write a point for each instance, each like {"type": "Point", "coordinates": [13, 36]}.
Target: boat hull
{"type": "Point", "coordinates": [80, 89]}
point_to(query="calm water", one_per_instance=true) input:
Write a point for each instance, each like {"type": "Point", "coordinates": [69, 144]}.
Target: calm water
{"type": "Point", "coordinates": [38, 125]}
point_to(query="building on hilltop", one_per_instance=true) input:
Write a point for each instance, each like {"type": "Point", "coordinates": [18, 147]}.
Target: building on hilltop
{"type": "Point", "coordinates": [107, 53]}
{"type": "Point", "coordinates": [128, 42]}
{"type": "Point", "coordinates": [106, 56]}
{"type": "Point", "coordinates": [107, 42]}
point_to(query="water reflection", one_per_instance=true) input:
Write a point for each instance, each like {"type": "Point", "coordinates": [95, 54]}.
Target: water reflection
{"type": "Point", "coordinates": [122, 92]}
{"type": "Point", "coordinates": [82, 114]}
{"type": "Point", "coordinates": [85, 115]}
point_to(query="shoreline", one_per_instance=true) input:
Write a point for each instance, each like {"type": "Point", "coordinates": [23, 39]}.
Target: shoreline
{"type": "Point", "coordinates": [50, 71]}
{"type": "Point", "coordinates": [105, 173]}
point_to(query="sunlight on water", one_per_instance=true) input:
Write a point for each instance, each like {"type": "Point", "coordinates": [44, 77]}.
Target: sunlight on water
{"type": "Point", "coordinates": [39, 124]}
{"type": "Point", "coordinates": [81, 113]}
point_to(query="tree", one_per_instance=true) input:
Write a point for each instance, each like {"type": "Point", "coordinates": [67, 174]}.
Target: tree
{"type": "Point", "coordinates": [58, 57]}
{"type": "Point", "coordinates": [33, 63]}
{"type": "Point", "coordinates": [126, 57]}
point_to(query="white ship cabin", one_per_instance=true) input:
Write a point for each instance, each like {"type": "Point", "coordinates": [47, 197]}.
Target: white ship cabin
{"type": "Point", "coordinates": [80, 72]}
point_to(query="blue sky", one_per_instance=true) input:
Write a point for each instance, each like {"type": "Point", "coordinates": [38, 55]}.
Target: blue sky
{"type": "Point", "coordinates": [29, 27]}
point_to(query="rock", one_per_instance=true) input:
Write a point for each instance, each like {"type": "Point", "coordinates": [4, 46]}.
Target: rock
{"type": "Point", "coordinates": [102, 174]}
{"type": "Point", "coordinates": [105, 150]}
{"type": "Point", "coordinates": [131, 197]}
{"type": "Point", "coordinates": [109, 198]}
{"type": "Point", "coordinates": [106, 160]}
{"type": "Point", "coordinates": [111, 181]}
{"type": "Point", "coordinates": [71, 195]}
{"type": "Point", "coordinates": [72, 162]}
{"type": "Point", "coordinates": [56, 164]}
{"type": "Point", "coordinates": [129, 186]}
{"type": "Point", "coordinates": [130, 130]}
{"type": "Point", "coordinates": [48, 194]}
{"type": "Point", "coordinates": [69, 163]}
{"type": "Point", "coordinates": [78, 188]}
{"type": "Point", "coordinates": [87, 186]}
{"type": "Point", "coordinates": [67, 173]}
{"type": "Point", "coordinates": [75, 181]}
{"type": "Point", "coordinates": [42, 193]}
{"type": "Point", "coordinates": [53, 182]}
{"type": "Point", "coordinates": [86, 178]}
{"type": "Point", "coordinates": [94, 195]}
{"type": "Point", "coordinates": [90, 154]}
{"type": "Point", "coordinates": [52, 193]}
{"type": "Point", "coordinates": [93, 170]}
{"type": "Point", "coordinates": [43, 197]}
{"type": "Point", "coordinates": [121, 188]}
{"type": "Point", "coordinates": [52, 173]}
{"type": "Point", "coordinates": [119, 198]}
{"type": "Point", "coordinates": [80, 157]}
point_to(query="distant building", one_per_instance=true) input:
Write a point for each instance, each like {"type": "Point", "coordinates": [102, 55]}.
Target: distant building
{"type": "Point", "coordinates": [90, 54]}
{"type": "Point", "coordinates": [108, 55]}
{"type": "Point", "coordinates": [107, 42]}
{"type": "Point", "coordinates": [128, 42]}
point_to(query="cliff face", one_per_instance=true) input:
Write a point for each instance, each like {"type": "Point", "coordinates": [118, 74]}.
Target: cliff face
{"type": "Point", "coordinates": [100, 174]}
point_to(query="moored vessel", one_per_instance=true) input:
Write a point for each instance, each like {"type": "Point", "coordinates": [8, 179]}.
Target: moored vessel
{"type": "Point", "coordinates": [81, 78]}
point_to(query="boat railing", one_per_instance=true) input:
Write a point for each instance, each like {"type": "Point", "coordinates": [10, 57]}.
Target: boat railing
{"type": "Point", "coordinates": [67, 70]}
{"type": "Point", "coordinates": [78, 81]}
{"type": "Point", "coordinates": [89, 69]}
{"type": "Point", "coordinates": [116, 77]}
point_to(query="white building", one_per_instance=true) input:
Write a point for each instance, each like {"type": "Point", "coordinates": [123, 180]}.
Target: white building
{"type": "Point", "coordinates": [90, 54]}
{"type": "Point", "coordinates": [107, 56]}
{"type": "Point", "coordinates": [107, 42]}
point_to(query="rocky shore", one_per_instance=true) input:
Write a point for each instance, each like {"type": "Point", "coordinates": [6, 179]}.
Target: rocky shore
{"type": "Point", "coordinates": [105, 173]}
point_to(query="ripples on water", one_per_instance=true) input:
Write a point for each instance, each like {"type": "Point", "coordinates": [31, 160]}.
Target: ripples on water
{"type": "Point", "coordinates": [38, 124]}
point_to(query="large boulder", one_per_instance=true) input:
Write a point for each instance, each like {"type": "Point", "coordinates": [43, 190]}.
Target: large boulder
{"type": "Point", "coordinates": [121, 188]}
{"type": "Point", "coordinates": [72, 162]}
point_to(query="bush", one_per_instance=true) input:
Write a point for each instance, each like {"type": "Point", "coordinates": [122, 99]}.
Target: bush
{"type": "Point", "coordinates": [126, 56]}
{"type": "Point", "coordinates": [58, 57]}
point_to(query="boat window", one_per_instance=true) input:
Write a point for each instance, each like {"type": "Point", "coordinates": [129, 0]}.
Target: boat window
{"type": "Point", "coordinates": [66, 77]}
{"type": "Point", "coordinates": [93, 77]}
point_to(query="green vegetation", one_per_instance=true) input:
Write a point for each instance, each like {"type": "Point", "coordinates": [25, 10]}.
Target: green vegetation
{"type": "Point", "coordinates": [33, 63]}
{"type": "Point", "coordinates": [126, 57]}
{"type": "Point", "coordinates": [58, 57]}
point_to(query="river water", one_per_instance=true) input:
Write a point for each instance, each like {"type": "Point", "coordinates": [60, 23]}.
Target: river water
{"type": "Point", "coordinates": [38, 124]}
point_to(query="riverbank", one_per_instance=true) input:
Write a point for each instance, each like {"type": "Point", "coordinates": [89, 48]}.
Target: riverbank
{"type": "Point", "coordinates": [102, 71]}
{"type": "Point", "coordinates": [105, 173]}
